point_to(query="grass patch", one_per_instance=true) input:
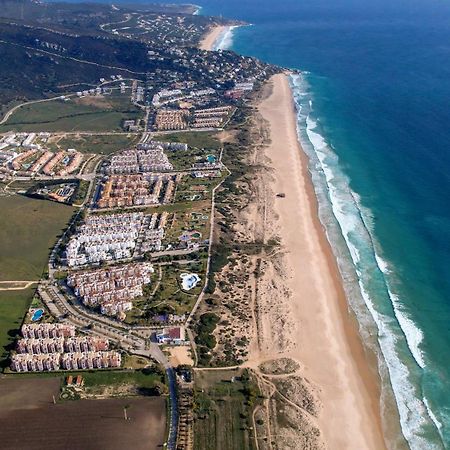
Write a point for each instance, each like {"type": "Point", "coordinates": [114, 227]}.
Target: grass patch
{"type": "Point", "coordinates": [196, 189]}
{"type": "Point", "coordinates": [205, 338]}
{"type": "Point", "coordinates": [196, 139]}
{"type": "Point", "coordinates": [28, 230]}
{"type": "Point", "coordinates": [81, 192]}
{"type": "Point", "coordinates": [99, 144]}
{"type": "Point", "coordinates": [145, 378]}
{"type": "Point", "coordinates": [86, 114]}
{"type": "Point", "coordinates": [169, 297]}
{"type": "Point", "coordinates": [195, 219]}
{"type": "Point", "coordinates": [223, 410]}
{"type": "Point", "coordinates": [135, 362]}
{"type": "Point", "coordinates": [13, 307]}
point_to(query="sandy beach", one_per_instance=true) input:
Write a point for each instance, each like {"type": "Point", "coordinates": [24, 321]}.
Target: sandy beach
{"type": "Point", "coordinates": [311, 324]}
{"type": "Point", "coordinates": [324, 337]}
{"type": "Point", "coordinates": [210, 38]}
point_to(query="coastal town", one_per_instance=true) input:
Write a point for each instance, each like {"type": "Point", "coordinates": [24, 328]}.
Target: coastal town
{"type": "Point", "coordinates": [126, 278]}
{"type": "Point", "coordinates": [164, 267]}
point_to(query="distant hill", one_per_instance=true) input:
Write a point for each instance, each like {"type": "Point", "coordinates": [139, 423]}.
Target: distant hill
{"type": "Point", "coordinates": [85, 18]}
{"type": "Point", "coordinates": [37, 62]}
{"type": "Point", "coordinates": [47, 49]}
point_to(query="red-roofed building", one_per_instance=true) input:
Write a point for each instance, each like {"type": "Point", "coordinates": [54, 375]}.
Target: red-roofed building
{"type": "Point", "coordinates": [173, 336]}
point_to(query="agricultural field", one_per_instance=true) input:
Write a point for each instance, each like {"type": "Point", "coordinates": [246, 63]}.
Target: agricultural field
{"type": "Point", "coordinates": [13, 307]}
{"type": "Point", "coordinates": [30, 419]}
{"type": "Point", "coordinates": [28, 230]}
{"type": "Point", "coordinates": [96, 143]}
{"type": "Point", "coordinates": [224, 403]}
{"type": "Point", "coordinates": [103, 113]}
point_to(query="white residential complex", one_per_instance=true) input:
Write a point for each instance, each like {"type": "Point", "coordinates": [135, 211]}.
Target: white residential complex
{"type": "Point", "coordinates": [114, 237]}
{"type": "Point", "coordinates": [149, 157]}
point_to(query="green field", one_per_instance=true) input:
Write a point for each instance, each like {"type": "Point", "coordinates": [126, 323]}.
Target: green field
{"type": "Point", "coordinates": [169, 297]}
{"type": "Point", "coordinates": [28, 230]}
{"type": "Point", "coordinates": [201, 144]}
{"type": "Point", "coordinates": [86, 114]}
{"type": "Point", "coordinates": [223, 410]}
{"type": "Point", "coordinates": [197, 139]}
{"type": "Point", "coordinates": [99, 144]}
{"type": "Point", "coordinates": [13, 306]}
{"type": "Point", "coordinates": [143, 378]}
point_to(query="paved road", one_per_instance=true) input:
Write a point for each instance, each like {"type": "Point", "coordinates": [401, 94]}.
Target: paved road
{"type": "Point", "coordinates": [173, 425]}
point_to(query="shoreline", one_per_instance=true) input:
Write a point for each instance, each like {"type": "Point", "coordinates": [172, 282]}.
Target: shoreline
{"type": "Point", "coordinates": [348, 383]}
{"type": "Point", "coordinates": [210, 38]}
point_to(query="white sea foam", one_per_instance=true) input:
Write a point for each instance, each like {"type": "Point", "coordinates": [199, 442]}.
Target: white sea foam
{"type": "Point", "coordinates": [382, 264]}
{"type": "Point", "coordinates": [225, 39]}
{"type": "Point", "coordinates": [373, 272]}
{"type": "Point", "coordinates": [413, 334]}
{"type": "Point", "coordinates": [433, 416]}
{"type": "Point", "coordinates": [411, 410]}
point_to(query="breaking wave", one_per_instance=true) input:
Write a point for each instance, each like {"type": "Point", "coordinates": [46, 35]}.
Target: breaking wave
{"type": "Point", "coordinates": [225, 39]}
{"type": "Point", "coordinates": [368, 278]}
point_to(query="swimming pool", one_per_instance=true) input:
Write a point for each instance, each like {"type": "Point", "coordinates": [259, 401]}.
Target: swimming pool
{"type": "Point", "coordinates": [37, 314]}
{"type": "Point", "coordinates": [189, 280]}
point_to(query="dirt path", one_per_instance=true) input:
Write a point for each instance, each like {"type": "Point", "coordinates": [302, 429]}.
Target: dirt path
{"type": "Point", "coordinates": [16, 285]}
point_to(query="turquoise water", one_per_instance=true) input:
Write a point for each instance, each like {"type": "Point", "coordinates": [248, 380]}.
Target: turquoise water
{"type": "Point", "coordinates": [373, 116]}
{"type": "Point", "coordinates": [37, 315]}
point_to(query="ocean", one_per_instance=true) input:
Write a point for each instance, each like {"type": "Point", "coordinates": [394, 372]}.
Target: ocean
{"type": "Point", "coordinates": [373, 104]}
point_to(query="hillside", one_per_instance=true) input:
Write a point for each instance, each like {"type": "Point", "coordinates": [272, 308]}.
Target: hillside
{"type": "Point", "coordinates": [52, 49]}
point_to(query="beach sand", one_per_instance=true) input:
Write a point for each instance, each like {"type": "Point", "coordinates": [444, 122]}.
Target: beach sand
{"type": "Point", "coordinates": [211, 37]}
{"type": "Point", "coordinates": [324, 337]}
